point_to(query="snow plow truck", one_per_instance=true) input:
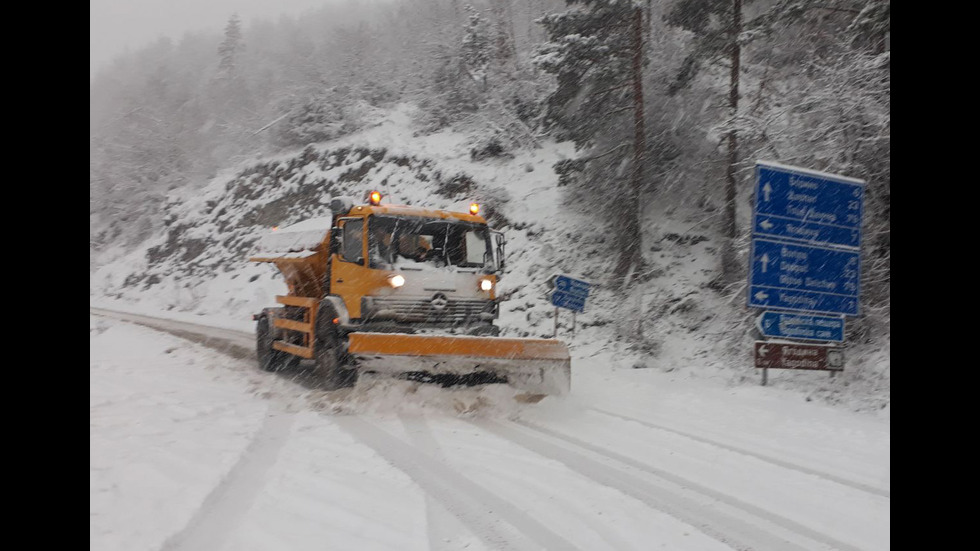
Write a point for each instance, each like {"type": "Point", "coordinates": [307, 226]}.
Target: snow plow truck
{"type": "Point", "coordinates": [402, 291]}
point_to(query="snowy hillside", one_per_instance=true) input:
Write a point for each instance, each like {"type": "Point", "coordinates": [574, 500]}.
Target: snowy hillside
{"type": "Point", "coordinates": [674, 320]}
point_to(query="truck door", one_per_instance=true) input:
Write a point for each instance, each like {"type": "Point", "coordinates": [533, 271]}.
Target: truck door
{"type": "Point", "coordinates": [348, 273]}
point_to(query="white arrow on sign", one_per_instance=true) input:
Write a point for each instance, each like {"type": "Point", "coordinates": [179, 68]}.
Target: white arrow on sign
{"type": "Point", "coordinates": [766, 225]}
{"type": "Point", "coordinates": [763, 350]}
{"type": "Point", "coordinates": [765, 262]}
{"type": "Point", "coordinates": [758, 323]}
{"type": "Point", "coordinates": [761, 296]}
{"type": "Point", "coordinates": [766, 190]}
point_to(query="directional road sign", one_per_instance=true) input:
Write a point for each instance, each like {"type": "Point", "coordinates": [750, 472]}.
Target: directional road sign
{"type": "Point", "coordinates": [786, 276]}
{"type": "Point", "coordinates": [801, 326]}
{"type": "Point", "coordinates": [812, 207]}
{"type": "Point", "coordinates": [571, 286]}
{"type": "Point", "coordinates": [565, 300]}
{"type": "Point", "coordinates": [798, 356]}
{"type": "Point", "coordinates": [569, 292]}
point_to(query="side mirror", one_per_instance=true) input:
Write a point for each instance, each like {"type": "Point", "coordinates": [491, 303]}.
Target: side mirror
{"type": "Point", "coordinates": [334, 241]}
{"type": "Point", "coordinates": [340, 206]}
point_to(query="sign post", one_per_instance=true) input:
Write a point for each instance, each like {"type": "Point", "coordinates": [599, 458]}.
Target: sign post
{"type": "Point", "coordinates": [805, 265]}
{"type": "Point", "coordinates": [568, 293]}
{"type": "Point", "coordinates": [555, 334]}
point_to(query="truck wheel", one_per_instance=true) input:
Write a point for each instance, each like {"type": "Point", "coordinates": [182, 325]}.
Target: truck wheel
{"type": "Point", "coordinates": [328, 352]}
{"type": "Point", "coordinates": [269, 358]}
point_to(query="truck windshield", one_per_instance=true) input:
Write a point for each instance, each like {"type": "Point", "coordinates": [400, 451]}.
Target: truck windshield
{"type": "Point", "coordinates": [406, 241]}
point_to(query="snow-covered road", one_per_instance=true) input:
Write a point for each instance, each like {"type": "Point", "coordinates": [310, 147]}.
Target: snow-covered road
{"type": "Point", "coordinates": [192, 447]}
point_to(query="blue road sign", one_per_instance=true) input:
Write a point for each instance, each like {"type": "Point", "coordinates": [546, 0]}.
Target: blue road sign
{"type": "Point", "coordinates": [789, 276]}
{"type": "Point", "coordinates": [801, 326]}
{"type": "Point", "coordinates": [807, 206]}
{"type": "Point", "coordinates": [571, 286]}
{"type": "Point", "coordinates": [562, 299]}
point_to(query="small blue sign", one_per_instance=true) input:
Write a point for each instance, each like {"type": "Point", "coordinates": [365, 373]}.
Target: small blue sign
{"type": "Point", "coordinates": [788, 276]}
{"type": "Point", "coordinates": [562, 299]}
{"type": "Point", "coordinates": [801, 326]}
{"type": "Point", "coordinates": [571, 286]}
{"type": "Point", "coordinates": [807, 206]}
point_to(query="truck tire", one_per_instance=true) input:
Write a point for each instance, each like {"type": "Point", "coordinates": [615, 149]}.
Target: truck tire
{"type": "Point", "coordinates": [269, 358]}
{"type": "Point", "coordinates": [329, 352]}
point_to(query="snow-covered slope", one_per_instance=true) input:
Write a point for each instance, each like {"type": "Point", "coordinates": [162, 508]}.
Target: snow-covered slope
{"type": "Point", "coordinates": [674, 321]}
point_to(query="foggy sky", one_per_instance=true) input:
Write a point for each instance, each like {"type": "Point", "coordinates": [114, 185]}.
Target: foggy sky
{"type": "Point", "coordinates": [115, 25]}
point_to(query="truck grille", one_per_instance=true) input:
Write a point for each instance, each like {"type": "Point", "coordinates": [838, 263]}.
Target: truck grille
{"type": "Point", "coordinates": [454, 311]}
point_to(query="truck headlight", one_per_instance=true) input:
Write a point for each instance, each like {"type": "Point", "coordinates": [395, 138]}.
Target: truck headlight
{"type": "Point", "coordinates": [396, 281]}
{"type": "Point", "coordinates": [486, 285]}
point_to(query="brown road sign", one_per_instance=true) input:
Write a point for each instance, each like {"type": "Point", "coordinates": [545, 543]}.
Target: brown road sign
{"type": "Point", "coordinates": [798, 356]}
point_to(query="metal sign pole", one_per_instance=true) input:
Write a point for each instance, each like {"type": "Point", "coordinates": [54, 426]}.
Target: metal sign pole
{"type": "Point", "coordinates": [555, 336]}
{"type": "Point", "coordinates": [765, 375]}
{"type": "Point", "coordinates": [568, 293]}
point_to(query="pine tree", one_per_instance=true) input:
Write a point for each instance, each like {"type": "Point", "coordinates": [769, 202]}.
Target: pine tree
{"type": "Point", "coordinates": [717, 28]}
{"type": "Point", "coordinates": [231, 45]}
{"type": "Point", "coordinates": [232, 107]}
{"type": "Point", "coordinates": [504, 50]}
{"type": "Point", "coordinates": [596, 54]}
{"type": "Point", "coordinates": [476, 47]}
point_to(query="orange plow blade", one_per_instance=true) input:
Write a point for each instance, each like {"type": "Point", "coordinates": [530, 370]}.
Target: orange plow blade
{"type": "Point", "coordinates": [540, 366]}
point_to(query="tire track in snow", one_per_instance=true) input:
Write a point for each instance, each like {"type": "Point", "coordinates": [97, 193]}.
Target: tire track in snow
{"type": "Point", "coordinates": [225, 506]}
{"type": "Point", "coordinates": [768, 459]}
{"type": "Point", "coordinates": [495, 521]}
{"type": "Point", "coordinates": [236, 344]}
{"type": "Point", "coordinates": [439, 521]}
{"type": "Point", "coordinates": [729, 520]}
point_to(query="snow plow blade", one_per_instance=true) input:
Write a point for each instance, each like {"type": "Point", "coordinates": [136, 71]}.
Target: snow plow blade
{"type": "Point", "coordinates": [537, 366]}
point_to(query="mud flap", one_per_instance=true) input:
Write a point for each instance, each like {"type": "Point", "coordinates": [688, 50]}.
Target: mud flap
{"type": "Point", "coordinates": [536, 366]}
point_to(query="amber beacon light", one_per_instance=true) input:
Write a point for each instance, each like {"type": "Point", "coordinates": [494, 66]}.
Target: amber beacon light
{"type": "Point", "coordinates": [375, 198]}
{"type": "Point", "coordinates": [474, 209]}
